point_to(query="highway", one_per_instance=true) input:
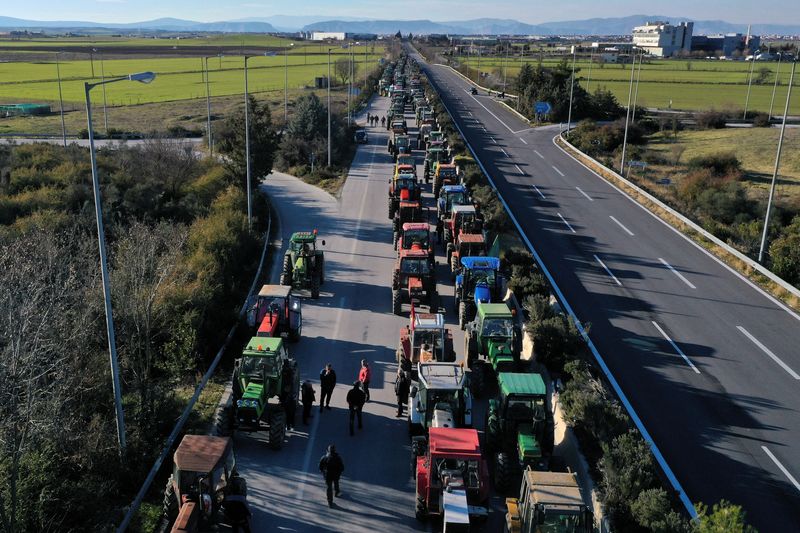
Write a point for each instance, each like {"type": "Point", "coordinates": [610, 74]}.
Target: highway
{"type": "Point", "coordinates": [351, 320]}
{"type": "Point", "coordinates": [710, 363]}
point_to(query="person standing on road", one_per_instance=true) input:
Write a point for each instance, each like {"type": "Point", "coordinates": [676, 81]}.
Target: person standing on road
{"type": "Point", "coordinates": [327, 381]}
{"type": "Point", "coordinates": [307, 397]}
{"type": "Point", "coordinates": [402, 386]}
{"type": "Point", "coordinates": [289, 402]}
{"type": "Point", "coordinates": [369, 119]}
{"type": "Point", "coordinates": [364, 376]}
{"type": "Point", "coordinates": [383, 121]}
{"type": "Point", "coordinates": [355, 401]}
{"type": "Point", "coordinates": [332, 467]}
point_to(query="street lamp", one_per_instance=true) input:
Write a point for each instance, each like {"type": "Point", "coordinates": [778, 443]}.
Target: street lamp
{"type": "Point", "coordinates": [329, 107]}
{"type": "Point", "coordinates": [286, 84]}
{"type": "Point", "coordinates": [775, 85]}
{"type": "Point", "coordinates": [142, 77]}
{"type": "Point", "coordinates": [636, 90]}
{"type": "Point", "coordinates": [628, 112]}
{"type": "Point", "coordinates": [571, 87]}
{"type": "Point", "coordinates": [61, 102]}
{"type": "Point", "coordinates": [775, 171]}
{"type": "Point", "coordinates": [365, 65]}
{"type": "Point", "coordinates": [749, 84]}
{"type": "Point", "coordinates": [102, 80]}
{"type": "Point", "coordinates": [247, 144]}
{"type": "Point", "coordinates": [208, 113]}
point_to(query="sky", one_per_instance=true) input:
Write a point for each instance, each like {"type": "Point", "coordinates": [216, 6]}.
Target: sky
{"type": "Point", "coordinates": [531, 11]}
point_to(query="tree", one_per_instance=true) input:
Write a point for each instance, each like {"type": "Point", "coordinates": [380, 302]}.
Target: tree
{"type": "Point", "coordinates": [784, 253]}
{"type": "Point", "coordinates": [342, 69]}
{"type": "Point", "coordinates": [653, 511]}
{"type": "Point", "coordinates": [725, 517]}
{"type": "Point", "coordinates": [763, 75]}
{"type": "Point", "coordinates": [263, 142]}
{"type": "Point", "coordinates": [627, 468]}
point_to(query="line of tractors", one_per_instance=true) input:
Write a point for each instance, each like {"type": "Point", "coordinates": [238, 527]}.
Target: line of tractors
{"type": "Point", "coordinates": [451, 467]}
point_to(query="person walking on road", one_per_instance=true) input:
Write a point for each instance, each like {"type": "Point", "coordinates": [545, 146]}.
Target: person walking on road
{"type": "Point", "coordinates": [307, 397]}
{"type": "Point", "coordinates": [289, 402]}
{"type": "Point", "coordinates": [383, 121]}
{"type": "Point", "coordinates": [402, 386]}
{"type": "Point", "coordinates": [355, 401]}
{"type": "Point", "coordinates": [364, 376]}
{"type": "Point", "coordinates": [331, 466]}
{"type": "Point", "coordinates": [327, 381]}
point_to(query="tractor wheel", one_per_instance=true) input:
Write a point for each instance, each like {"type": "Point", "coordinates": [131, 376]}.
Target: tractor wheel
{"type": "Point", "coordinates": [453, 266]}
{"type": "Point", "coordinates": [462, 315]}
{"type": "Point", "coordinates": [420, 512]}
{"type": "Point", "coordinates": [448, 236]}
{"type": "Point", "coordinates": [476, 383]}
{"type": "Point", "coordinates": [470, 349]}
{"type": "Point", "coordinates": [397, 301]}
{"type": "Point", "coordinates": [437, 186]}
{"type": "Point", "coordinates": [287, 264]}
{"type": "Point", "coordinates": [322, 270]}
{"type": "Point", "coordinates": [277, 428]}
{"type": "Point", "coordinates": [433, 302]}
{"type": "Point", "coordinates": [224, 421]}
{"type": "Point", "coordinates": [286, 279]}
{"type": "Point", "coordinates": [315, 282]}
{"type": "Point", "coordinates": [492, 432]}
{"type": "Point", "coordinates": [391, 208]}
{"type": "Point", "coordinates": [505, 469]}
{"type": "Point", "coordinates": [395, 236]}
{"type": "Point", "coordinates": [449, 249]}
{"type": "Point", "coordinates": [396, 279]}
{"type": "Point", "coordinates": [170, 502]}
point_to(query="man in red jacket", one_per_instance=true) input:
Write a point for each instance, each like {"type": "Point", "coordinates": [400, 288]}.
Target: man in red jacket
{"type": "Point", "coordinates": [364, 376]}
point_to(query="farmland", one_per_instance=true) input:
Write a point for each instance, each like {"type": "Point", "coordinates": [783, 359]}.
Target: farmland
{"type": "Point", "coordinates": [676, 84]}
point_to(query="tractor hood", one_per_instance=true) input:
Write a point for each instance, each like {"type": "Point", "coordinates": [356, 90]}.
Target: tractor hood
{"type": "Point", "coordinates": [482, 293]}
{"type": "Point", "coordinates": [529, 448]}
{"type": "Point", "coordinates": [414, 283]}
{"type": "Point", "coordinates": [254, 391]}
{"type": "Point", "coordinates": [501, 355]}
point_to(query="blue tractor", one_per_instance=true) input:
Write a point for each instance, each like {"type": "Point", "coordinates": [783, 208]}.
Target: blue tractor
{"type": "Point", "coordinates": [479, 281]}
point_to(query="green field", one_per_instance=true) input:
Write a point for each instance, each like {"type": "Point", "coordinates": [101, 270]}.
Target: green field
{"type": "Point", "coordinates": [177, 78]}
{"type": "Point", "coordinates": [700, 85]}
{"type": "Point", "coordinates": [246, 39]}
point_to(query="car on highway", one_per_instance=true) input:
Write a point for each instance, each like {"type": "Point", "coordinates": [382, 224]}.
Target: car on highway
{"type": "Point", "coordinates": [360, 136]}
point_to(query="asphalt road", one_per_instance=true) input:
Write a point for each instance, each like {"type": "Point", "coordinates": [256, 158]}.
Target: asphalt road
{"type": "Point", "coordinates": [710, 363]}
{"type": "Point", "coordinates": [351, 320]}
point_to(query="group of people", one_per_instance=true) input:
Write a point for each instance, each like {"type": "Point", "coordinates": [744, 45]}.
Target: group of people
{"type": "Point", "coordinates": [372, 120]}
{"type": "Point", "coordinates": [356, 397]}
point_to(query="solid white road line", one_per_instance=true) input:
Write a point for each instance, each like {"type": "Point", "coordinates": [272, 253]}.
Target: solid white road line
{"type": "Point", "coordinates": [520, 170]}
{"type": "Point", "coordinates": [523, 140]}
{"type": "Point", "coordinates": [540, 192]}
{"type": "Point", "coordinates": [629, 232]}
{"type": "Point", "coordinates": [675, 346]}
{"type": "Point", "coordinates": [783, 468]}
{"type": "Point", "coordinates": [554, 168]}
{"type": "Point", "coordinates": [681, 276]}
{"type": "Point", "coordinates": [537, 153]}
{"type": "Point", "coordinates": [586, 195]}
{"type": "Point", "coordinates": [608, 271]}
{"type": "Point", "coordinates": [567, 223]}
{"type": "Point", "coordinates": [767, 351]}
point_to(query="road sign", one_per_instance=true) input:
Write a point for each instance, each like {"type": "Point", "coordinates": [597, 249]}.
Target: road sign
{"type": "Point", "coordinates": [542, 108]}
{"type": "Point", "coordinates": [640, 164]}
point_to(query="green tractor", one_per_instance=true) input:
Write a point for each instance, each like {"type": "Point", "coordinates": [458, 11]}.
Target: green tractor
{"type": "Point", "coordinates": [264, 372]}
{"type": "Point", "coordinates": [519, 427]}
{"type": "Point", "coordinates": [492, 344]}
{"type": "Point", "coordinates": [303, 264]}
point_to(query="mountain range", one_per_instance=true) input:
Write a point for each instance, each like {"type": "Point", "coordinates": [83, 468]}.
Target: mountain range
{"type": "Point", "coordinates": [483, 26]}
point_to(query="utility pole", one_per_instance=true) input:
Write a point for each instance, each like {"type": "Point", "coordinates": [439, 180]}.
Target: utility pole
{"type": "Point", "coordinates": [247, 145]}
{"type": "Point", "coordinates": [636, 91]}
{"type": "Point", "coordinates": [749, 84]}
{"type": "Point", "coordinates": [208, 113]}
{"type": "Point", "coordinates": [775, 85]}
{"type": "Point", "coordinates": [571, 87]}
{"type": "Point", "coordinates": [627, 113]}
{"type": "Point", "coordinates": [103, 79]}
{"type": "Point", "coordinates": [61, 103]}
{"type": "Point", "coordinates": [763, 247]}
{"type": "Point", "coordinates": [505, 69]}
{"type": "Point", "coordinates": [365, 65]}
{"type": "Point", "coordinates": [589, 76]}
{"type": "Point", "coordinates": [329, 107]}
{"type": "Point", "coordinates": [349, 80]}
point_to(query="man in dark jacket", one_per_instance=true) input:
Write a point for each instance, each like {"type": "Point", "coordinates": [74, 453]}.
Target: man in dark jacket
{"type": "Point", "coordinates": [327, 381]}
{"type": "Point", "coordinates": [331, 466]}
{"type": "Point", "coordinates": [355, 401]}
{"type": "Point", "coordinates": [402, 386]}
{"type": "Point", "coordinates": [307, 397]}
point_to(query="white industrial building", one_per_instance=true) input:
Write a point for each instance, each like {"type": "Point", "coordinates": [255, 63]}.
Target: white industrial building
{"type": "Point", "coordinates": [329, 36]}
{"type": "Point", "coordinates": [663, 39]}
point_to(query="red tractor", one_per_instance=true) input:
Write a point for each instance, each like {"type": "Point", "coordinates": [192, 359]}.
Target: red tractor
{"type": "Point", "coordinates": [416, 236]}
{"type": "Point", "coordinates": [414, 281]}
{"type": "Point", "coordinates": [463, 219]}
{"type": "Point", "coordinates": [407, 212]}
{"type": "Point", "coordinates": [452, 478]}
{"type": "Point", "coordinates": [464, 245]}
{"type": "Point", "coordinates": [403, 187]}
{"type": "Point", "coordinates": [276, 312]}
{"type": "Point", "coordinates": [425, 329]}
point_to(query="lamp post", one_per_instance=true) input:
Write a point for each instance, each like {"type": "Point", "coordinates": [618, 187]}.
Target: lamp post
{"type": "Point", "coordinates": [102, 80]}
{"type": "Point", "coordinates": [143, 77]}
{"type": "Point", "coordinates": [247, 144]}
{"type": "Point", "coordinates": [365, 65]}
{"type": "Point", "coordinates": [571, 88]}
{"type": "Point", "coordinates": [589, 75]}
{"type": "Point", "coordinates": [628, 113]}
{"type": "Point", "coordinates": [329, 107]}
{"type": "Point", "coordinates": [505, 69]}
{"type": "Point", "coordinates": [636, 90]}
{"type": "Point", "coordinates": [749, 84]}
{"type": "Point", "coordinates": [775, 85]}
{"type": "Point", "coordinates": [61, 102]}
{"type": "Point", "coordinates": [286, 84]}
{"type": "Point", "coordinates": [775, 171]}
{"type": "Point", "coordinates": [208, 113]}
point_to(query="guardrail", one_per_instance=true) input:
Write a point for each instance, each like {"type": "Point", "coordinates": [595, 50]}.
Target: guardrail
{"type": "Point", "coordinates": [137, 502]}
{"type": "Point", "coordinates": [687, 503]}
{"type": "Point", "coordinates": [602, 169]}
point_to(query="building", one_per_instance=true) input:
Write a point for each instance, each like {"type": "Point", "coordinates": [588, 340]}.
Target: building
{"type": "Point", "coordinates": [611, 52]}
{"type": "Point", "coordinates": [337, 36]}
{"type": "Point", "coordinates": [662, 39]}
{"type": "Point", "coordinates": [726, 45]}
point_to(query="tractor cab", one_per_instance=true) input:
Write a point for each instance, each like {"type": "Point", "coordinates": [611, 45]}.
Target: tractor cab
{"type": "Point", "coordinates": [405, 164]}
{"type": "Point", "coordinates": [463, 219]}
{"type": "Point", "coordinates": [465, 245]}
{"type": "Point", "coordinates": [548, 501]}
{"type": "Point", "coordinates": [449, 196]}
{"type": "Point", "coordinates": [303, 263]}
{"type": "Point", "coordinates": [408, 211]}
{"type": "Point", "coordinates": [399, 126]}
{"type": "Point", "coordinates": [276, 312]}
{"type": "Point", "coordinates": [416, 236]}
{"type": "Point", "coordinates": [402, 144]}
{"type": "Point", "coordinates": [433, 155]}
{"type": "Point", "coordinates": [203, 474]}
{"type": "Point", "coordinates": [445, 174]}
{"type": "Point", "coordinates": [439, 398]}
{"type": "Point", "coordinates": [403, 189]}
{"type": "Point", "coordinates": [424, 340]}
{"type": "Point", "coordinates": [438, 137]}
{"type": "Point", "coordinates": [492, 344]}
{"type": "Point", "coordinates": [414, 280]}
{"type": "Point", "coordinates": [452, 478]}
{"type": "Point", "coordinates": [478, 282]}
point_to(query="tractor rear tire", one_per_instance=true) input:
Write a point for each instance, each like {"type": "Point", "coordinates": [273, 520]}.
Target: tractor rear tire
{"type": "Point", "coordinates": [391, 209]}
{"type": "Point", "coordinates": [170, 502]}
{"type": "Point", "coordinates": [437, 186]}
{"type": "Point", "coordinates": [420, 513]}
{"type": "Point", "coordinates": [470, 349]}
{"type": "Point", "coordinates": [395, 279]}
{"type": "Point", "coordinates": [277, 428]}
{"type": "Point", "coordinates": [397, 301]}
{"type": "Point", "coordinates": [395, 237]}
{"type": "Point", "coordinates": [449, 249]}
{"type": "Point", "coordinates": [315, 282]}
{"type": "Point", "coordinates": [287, 264]}
{"type": "Point", "coordinates": [322, 270]}
{"type": "Point", "coordinates": [476, 381]}
{"type": "Point", "coordinates": [453, 259]}
{"type": "Point", "coordinates": [493, 436]}
{"type": "Point", "coordinates": [433, 302]}
{"type": "Point", "coordinates": [505, 470]}
{"type": "Point", "coordinates": [448, 237]}
{"type": "Point", "coordinates": [462, 315]}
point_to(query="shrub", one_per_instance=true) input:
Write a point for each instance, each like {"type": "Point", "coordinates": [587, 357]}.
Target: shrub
{"type": "Point", "coordinates": [725, 517]}
{"type": "Point", "coordinates": [720, 164]}
{"type": "Point", "coordinates": [587, 404]}
{"type": "Point", "coordinates": [554, 338]}
{"type": "Point", "coordinates": [761, 120]}
{"type": "Point", "coordinates": [652, 510]}
{"type": "Point", "coordinates": [785, 253]}
{"type": "Point", "coordinates": [711, 120]}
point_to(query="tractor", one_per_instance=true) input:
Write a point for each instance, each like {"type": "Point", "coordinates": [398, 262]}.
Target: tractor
{"type": "Point", "coordinates": [465, 245]}
{"type": "Point", "coordinates": [405, 164]}
{"type": "Point", "coordinates": [438, 136]}
{"type": "Point", "coordinates": [407, 212]}
{"type": "Point", "coordinates": [519, 427]}
{"type": "Point", "coordinates": [425, 328]}
{"type": "Point", "coordinates": [548, 501]}
{"type": "Point", "coordinates": [303, 264]}
{"type": "Point", "coordinates": [401, 145]}
{"type": "Point", "coordinates": [403, 187]}
{"type": "Point", "coordinates": [463, 219]}
{"type": "Point", "coordinates": [203, 474]}
{"type": "Point", "coordinates": [264, 371]}
{"type": "Point", "coordinates": [452, 479]}
{"type": "Point", "coordinates": [449, 196]}
{"type": "Point", "coordinates": [478, 282]}
{"type": "Point", "coordinates": [416, 235]}
{"type": "Point", "coordinates": [275, 313]}
{"type": "Point", "coordinates": [492, 343]}
{"type": "Point", "coordinates": [423, 133]}
{"type": "Point", "coordinates": [433, 155]}
{"type": "Point", "coordinates": [414, 281]}
{"type": "Point", "coordinates": [438, 398]}
{"type": "Point", "coordinates": [399, 126]}
{"type": "Point", "coordinates": [445, 174]}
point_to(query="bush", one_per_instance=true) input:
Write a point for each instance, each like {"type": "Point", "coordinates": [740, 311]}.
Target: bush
{"type": "Point", "coordinates": [761, 120]}
{"type": "Point", "coordinates": [554, 338]}
{"type": "Point", "coordinates": [725, 517]}
{"type": "Point", "coordinates": [711, 120]}
{"type": "Point", "coordinates": [587, 404]}
{"type": "Point", "coordinates": [720, 164]}
{"type": "Point", "coordinates": [652, 510]}
{"type": "Point", "coordinates": [785, 253]}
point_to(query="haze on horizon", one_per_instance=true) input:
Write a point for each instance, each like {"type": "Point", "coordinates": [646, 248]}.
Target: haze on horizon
{"type": "Point", "coordinates": [127, 11]}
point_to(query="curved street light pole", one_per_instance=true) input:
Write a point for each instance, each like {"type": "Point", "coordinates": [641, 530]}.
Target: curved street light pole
{"type": "Point", "coordinates": [208, 113]}
{"type": "Point", "coordinates": [61, 102]}
{"type": "Point", "coordinates": [329, 107]}
{"type": "Point", "coordinates": [247, 145]}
